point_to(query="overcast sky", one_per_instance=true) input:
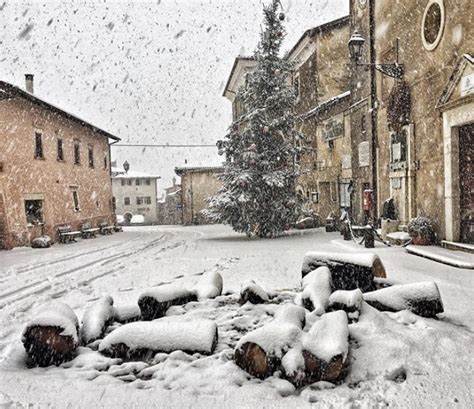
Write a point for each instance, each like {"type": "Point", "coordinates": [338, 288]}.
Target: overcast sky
{"type": "Point", "coordinates": [146, 71]}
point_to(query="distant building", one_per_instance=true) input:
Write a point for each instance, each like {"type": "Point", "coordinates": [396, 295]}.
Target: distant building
{"type": "Point", "coordinates": [170, 208]}
{"type": "Point", "coordinates": [54, 168]}
{"type": "Point", "coordinates": [197, 185]}
{"type": "Point", "coordinates": [135, 194]}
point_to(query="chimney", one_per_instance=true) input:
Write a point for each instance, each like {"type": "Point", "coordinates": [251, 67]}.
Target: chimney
{"type": "Point", "coordinates": [29, 83]}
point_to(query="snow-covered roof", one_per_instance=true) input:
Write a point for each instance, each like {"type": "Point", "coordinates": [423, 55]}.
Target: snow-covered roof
{"type": "Point", "coordinates": [193, 169]}
{"type": "Point", "coordinates": [133, 174]}
{"type": "Point", "coordinates": [241, 65]}
{"type": "Point", "coordinates": [324, 106]}
{"type": "Point", "coordinates": [12, 90]}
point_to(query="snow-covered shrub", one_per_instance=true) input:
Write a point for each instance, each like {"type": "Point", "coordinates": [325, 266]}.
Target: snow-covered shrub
{"type": "Point", "coordinates": [421, 230]}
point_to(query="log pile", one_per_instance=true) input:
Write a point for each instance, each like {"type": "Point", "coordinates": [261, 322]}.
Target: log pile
{"type": "Point", "coordinates": [96, 319]}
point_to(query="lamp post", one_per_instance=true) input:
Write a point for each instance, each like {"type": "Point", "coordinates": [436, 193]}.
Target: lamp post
{"type": "Point", "coordinates": [356, 44]}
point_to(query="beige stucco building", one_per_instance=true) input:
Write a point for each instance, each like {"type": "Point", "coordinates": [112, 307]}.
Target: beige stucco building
{"type": "Point", "coordinates": [54, 168]}
{"type": "Point", "coordinates": [321, 80]}
{"type": "Point", "coordinates": [197, 185]}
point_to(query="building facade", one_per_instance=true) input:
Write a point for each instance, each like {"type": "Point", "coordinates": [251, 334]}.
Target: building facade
{"type": "Point", "coordinates": [197, 185]}
{"type": "Point", "coordinates": [321, 81]}
{"type": "Point", "coordinates": [54, 169]}
{"type": "Point", "coordinates": [170, 208]}
{"type": "Point", "coordinates": [423, 135]}
{"type": "Point", "coordinates": [135, 194]}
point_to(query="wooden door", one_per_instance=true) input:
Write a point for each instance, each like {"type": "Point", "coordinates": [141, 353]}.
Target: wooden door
{"type": "Point", "coordinates": [466, 182]}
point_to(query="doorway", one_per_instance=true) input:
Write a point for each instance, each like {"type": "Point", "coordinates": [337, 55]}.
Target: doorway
{"type": "Point", "coordinates": [466, 182]}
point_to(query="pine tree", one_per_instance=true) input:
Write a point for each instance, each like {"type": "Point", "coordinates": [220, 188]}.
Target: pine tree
{"type": "Point", "coordinates": [258, 195]}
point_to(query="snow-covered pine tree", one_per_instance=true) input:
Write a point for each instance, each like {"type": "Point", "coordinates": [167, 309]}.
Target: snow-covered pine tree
{"type": "Point", "coordinates": [258, 195]}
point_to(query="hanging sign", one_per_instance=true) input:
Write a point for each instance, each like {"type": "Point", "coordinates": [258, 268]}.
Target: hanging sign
{"type": "Point", "coordinates": [332, 128]}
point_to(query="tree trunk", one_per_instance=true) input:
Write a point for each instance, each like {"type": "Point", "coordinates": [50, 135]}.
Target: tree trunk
{"type": "Point", "coordinates": [348, 271]}
{"type": "Point", "coordinates": [422, 299]}
{"type": "Point", "coordinates": [259, 352]}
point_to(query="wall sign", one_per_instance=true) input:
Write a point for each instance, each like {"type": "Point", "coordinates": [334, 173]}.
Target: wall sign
{"type": "Point", "coordinates": [332, 128]}
{"type": "Point", "coordinates": [364, 154]}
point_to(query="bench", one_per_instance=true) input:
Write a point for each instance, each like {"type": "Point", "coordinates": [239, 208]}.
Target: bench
{"type": "Point", "coordinates": [67, 235]}
{"type": "Point", "coordinates": [118, 229]}
{"type": "Point", "coordinates": [105, 228]}
{"type": "Point", "coordinates": [88, 231]}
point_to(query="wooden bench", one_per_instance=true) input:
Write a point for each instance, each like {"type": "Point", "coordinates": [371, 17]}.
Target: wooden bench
{"type": "Point", "coordinates": [88, 231]}
{"type": "Point", "coordinates": [67, 235]}
{"type": "Point", "coordinates": [105, 228]}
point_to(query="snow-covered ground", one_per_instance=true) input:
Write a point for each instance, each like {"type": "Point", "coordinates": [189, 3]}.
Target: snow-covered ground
{"type": "Point", "coordinates": [396, 358]}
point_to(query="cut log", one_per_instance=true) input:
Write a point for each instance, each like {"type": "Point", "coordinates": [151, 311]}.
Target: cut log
{"type": "Point", "coordinates": [316, 290]}
{"type": "Point", "coordinates": [252, 292]}
{"type": "Point", "coordinates": [208, 286]}
{"type": "Point", "coordinates": [348, 271]}
{"type": "Point", "coordinates": [260, 351]}
{"type": "Point", "coordinates": [125, 314]}
{"type": "Point", "coordinates": [96, 319]}
{"type": "Point", "coordinates": [325, 348]}
{"type": "Point", "coordinates": [154, 304]}
{"type": "Point", "coordinates": [51, 337]}
{"type": "Point", "coordinates": [348, 301]}
{"type": "Point", "coordinates": [422, 299]}
{"type": "Point", "coordinates": [165, 335]}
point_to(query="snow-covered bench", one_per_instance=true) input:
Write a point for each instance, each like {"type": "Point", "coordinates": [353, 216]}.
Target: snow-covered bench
{"type": "Point", "coordinates": [88, 231]}
{"type": "Point", "coordinates": [105, 228]}
{"type": "Point", "coordinates": [67, 235]}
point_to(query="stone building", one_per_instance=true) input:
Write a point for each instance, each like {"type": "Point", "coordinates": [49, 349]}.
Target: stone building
{"type": "Point", "coordinates": [321, 80]}
{"type": "Point", "coordinates": [423, 157]}
{"type": "Point", "coordinates": [135, 194]}
{"type": "Point", "coordinates": [197, 185]}
{"type": "Point", "coordinates": [170, 208]}
{"type": "Point", "coordinates": [54, 168]}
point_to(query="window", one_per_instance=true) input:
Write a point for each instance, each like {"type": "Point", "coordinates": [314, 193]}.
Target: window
{"type": "Point", "coordinates": [129, 182]}
{"type": "Point", "coordinates": [148, 200]}
{"type": "Point", "coordinates": [60, 150]}
{"type": "Point", "coordinates": [345, 195]}
{"type": "Point", "coordinates": [91, 157]}
{"type": "Point", "coordinates": [137, 182]}
{"type": "Point", "coordinates": [433, 24]}
{"type": "Point", "coordinates": [139, 200]}
{"type": "Point", "coordinates": [38, 146]}
{"type": "Point", "coordinates": [126, 201]}
{"type": "Point", "coordinates": [398, 148]}
{"type": "Point", "coordinates": [34, 211]}
{"type": "Point", "coordinates": [123, 182]}
{"type": "Point", "coordinates": [77, 153]}
{"type": "Point", "coordinates": [315, 197]}
{"type": "Point", "coordinates": [148, 182]}
{"type": "Point", "coordinates": [75, 200]}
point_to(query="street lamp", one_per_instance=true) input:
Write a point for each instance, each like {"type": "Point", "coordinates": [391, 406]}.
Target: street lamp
{"type": "Point", "coordinates": [356, 43]}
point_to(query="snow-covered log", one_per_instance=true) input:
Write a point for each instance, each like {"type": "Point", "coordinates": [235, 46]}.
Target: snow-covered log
{"type": "Point", "coordinates": [252, 292]}
{"type": "Point", "coordinates": [165, 335]}
{"type": "Point", "coordinates": [422, 299]}
{"type": "Point", "coordinates": [209, 285]}
{"type": "Point", "coordinates": [51, 337]}
{"type": "Point", "coordinates": [96, 319]}
{"type": "Point", "coordinates": [348, 301]}
{"type": "Point", "coordinates": [316, 290]}
{"type": "Point", "coordinates": [127, 313]}
{"type": "Point", "coordinates": [348, 271]}
{"type": "Point", "coordinates": [260, 351]}
{"type": "Point", "coordinates": [325, 347]}
{"type": "Point", "coordinates": [154, 303]}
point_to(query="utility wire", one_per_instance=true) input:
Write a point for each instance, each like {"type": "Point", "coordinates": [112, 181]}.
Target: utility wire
{"type": "Point", "coordinates": [162, 146]}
